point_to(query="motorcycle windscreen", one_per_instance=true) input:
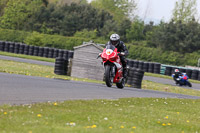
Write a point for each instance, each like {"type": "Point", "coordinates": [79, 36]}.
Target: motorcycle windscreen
{"type": "Point", "coordinates": [110, 47]}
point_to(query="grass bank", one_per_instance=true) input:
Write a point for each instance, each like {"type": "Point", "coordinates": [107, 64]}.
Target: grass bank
{"type": "Point", "coordinates": [28, 57]}
{"type": "Point", "coordinates": [48, 72]}
{"type": "Point", "coordinates": [132, 115]}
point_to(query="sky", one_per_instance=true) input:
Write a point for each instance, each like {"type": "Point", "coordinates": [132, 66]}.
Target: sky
{"type": "Point", "coordinates": [157, 10]}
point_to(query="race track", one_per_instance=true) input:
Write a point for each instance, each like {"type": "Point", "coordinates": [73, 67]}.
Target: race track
{"type": "Point", "coordinates": [21, 89]}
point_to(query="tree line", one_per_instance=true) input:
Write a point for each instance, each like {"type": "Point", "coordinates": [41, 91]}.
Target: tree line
{"type": "Point", "coordinates": [100, 18]}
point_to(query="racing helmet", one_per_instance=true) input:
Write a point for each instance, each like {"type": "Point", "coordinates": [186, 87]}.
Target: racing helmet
{"type": "Point", "coordinates": [176, 70]}
{"type": "Point", "coordinates": [114, 39]}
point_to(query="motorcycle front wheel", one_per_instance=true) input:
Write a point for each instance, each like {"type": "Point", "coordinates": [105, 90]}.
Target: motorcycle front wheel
{"type": "Point", "coordinates": [108, 76]}
{"type": "Point", "coordinates": [189, 84]}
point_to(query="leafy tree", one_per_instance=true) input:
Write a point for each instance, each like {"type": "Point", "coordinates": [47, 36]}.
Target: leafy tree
{"type": "Point", "coordinates": [136, 32]}
{"type": "Point", "coordinates": [2, 6]}
{"type": "Point", "coordinates": [180, 37]}
{"type": "Point", "coordinates": [185, 10]}
{"type": "Point", "coordinates": [17, 12]}
{"type": "Point", "coordinates": [120, 9]}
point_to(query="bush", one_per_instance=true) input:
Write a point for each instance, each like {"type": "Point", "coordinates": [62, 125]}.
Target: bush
{"type": "Point", "coordinates": [44, 40]}
{"type": "Point", "coordinates": [164, 57]}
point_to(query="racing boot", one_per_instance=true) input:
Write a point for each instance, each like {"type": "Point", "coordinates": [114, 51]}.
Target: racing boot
{"type": "Point", "coordinates": [125, 72]}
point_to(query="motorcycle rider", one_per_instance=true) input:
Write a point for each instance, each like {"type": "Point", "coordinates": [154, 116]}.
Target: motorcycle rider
{"type": "Point", "coordinates": [176, 75]}
{"type": "Point", "coordinates": [121, 47]}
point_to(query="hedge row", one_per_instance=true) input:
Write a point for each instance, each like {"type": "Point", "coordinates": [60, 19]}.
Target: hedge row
{"type": "Point", "coordinates": [43, 40]}
{"type": "Point", "coordinates": [163, 57]}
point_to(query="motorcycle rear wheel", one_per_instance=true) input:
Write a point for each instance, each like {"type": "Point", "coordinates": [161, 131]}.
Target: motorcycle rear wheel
{"type": "Point", "coordinates": [189, 84]}
{"type": "Point", "coordinates": [108, 76]}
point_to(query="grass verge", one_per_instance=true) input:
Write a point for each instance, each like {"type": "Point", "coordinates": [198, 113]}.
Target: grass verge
{"type": "Point", "coordinates": [27, 57]}
{"type": "Point", "coordinates": [130, 115]}
{"type": "Point", "coordinates": [48, 72]}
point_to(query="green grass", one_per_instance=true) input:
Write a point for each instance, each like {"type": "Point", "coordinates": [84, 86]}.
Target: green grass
{"type": "Point", "coordinates": [48, 72]}
{"type": "Point", "coordinates": [27, 57]}
{"type": "Point", "coordinates": [130, 115]}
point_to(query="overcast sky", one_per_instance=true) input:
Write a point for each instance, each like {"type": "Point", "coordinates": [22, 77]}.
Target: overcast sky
{"type": "Point", "coordinates": [157, 9]}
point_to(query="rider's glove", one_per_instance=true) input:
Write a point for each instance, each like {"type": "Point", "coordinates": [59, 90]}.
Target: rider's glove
{"type": "Point", "coordinates": [122, 53]}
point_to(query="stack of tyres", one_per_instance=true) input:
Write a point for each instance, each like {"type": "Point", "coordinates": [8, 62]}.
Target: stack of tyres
{"type": "Point", "coordinates": [26, 49]}
{"type": "Point", "coordinates": [131, 63]}
{"type": "Point", "coordinates": [55, 54]}
{"type": "Point", "coordinates": [157, 67]}
{"type": "Point", "coordinates": [65, 55]}
{"type": "Point", "coordinates": [60, 53]}
{"type": "Point", "coordinates": [31, 50]}
{"type": "Point", "coordinates": [41, 51]}
{"type": "Point", "coordinates": [140, 65]}
{"type": "Point", "coordinates": [46, 52]}
{"type": "Point", "coordinates": [16, 50]}
{"type": "Point", "coordinates": [199, 76]}
{"type": "Point", "coordinates": [60, 66]}
{"type": "Point", "coordinates": [135, 76]}
{"type": "Point", "coordinates": [189, 73]}
{"type": "Point", "coordinates": [36, 51]}
{"type": "Point", "coordinates": [50, 54]}
{"type": "Point", "coordinates": [182, 70]}
{"type": "Point", "coordinates": [21, 48]}
{"type": "Point", "coordinates": [11, 47]}
{"type": "Point", "coordinates": [7, 46]}
{"type": "Point", "coordinates": [70, 54]}
{"type": "Point", "coordinates": [195, 74]}
{"type": "Point", "coordinates": [2, 45]}
{"type": "Point", "coordinates": [151, 67]}
{"type": "Point", "coordinates": [145, 66]}
{"type": "Point", "coordinates": [136, 63]}
{"type": "Point", "coordinates": [168, 71]}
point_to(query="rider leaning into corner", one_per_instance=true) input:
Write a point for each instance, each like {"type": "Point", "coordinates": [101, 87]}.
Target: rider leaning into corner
{"type": "Point", "coordinates": [121, 47]}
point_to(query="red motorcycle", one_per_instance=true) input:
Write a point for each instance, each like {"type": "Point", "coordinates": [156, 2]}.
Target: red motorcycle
{"type": "Point", "coordinates": [113, 67]}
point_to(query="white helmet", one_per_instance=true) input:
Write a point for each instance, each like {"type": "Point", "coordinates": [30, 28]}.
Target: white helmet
{"type": "Point", "coordinates": [176, 70]}
{"type": "Point", "coordinates": [114, 39]}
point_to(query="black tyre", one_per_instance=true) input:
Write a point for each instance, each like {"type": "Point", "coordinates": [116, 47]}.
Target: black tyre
{"type": "Point", "coordinates": [108, 76]}
{"type": "Point", "coordinates": [189, 84]}
{"type": "Point", "coordinates": [121, 84]}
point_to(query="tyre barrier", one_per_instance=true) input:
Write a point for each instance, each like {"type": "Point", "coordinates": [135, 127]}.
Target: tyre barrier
{"type": "Point", "coordinates": [195, 74]}
{"type": "Point", "coordinates": [140, 65]}
{"type": "Point", "coordinates": [146, 66]}
{"type": "Point", "coordinates": [2, 45]}
{"type": "Point", "coordinates": [135, 76]}
{"type": "Point", "coordinates": [136, 63]}
{"type": "Point", "coordinates": [26, 49]}
{"type": "Point", "coordinates": [31, 50]}
{"type": "Point", "coordinates": [41, 51]}
{"type": "Point", "coordinates": [199, 76]}
{"type": "Point", "coordinates": [21, 48]}
{"type": "Point", "coordinates": [189, 73]}
{"type": "Point", "coordinates": [168, 71]}
{"type": "Point", "coordinates": [36, 51]}
{"type": "Point", "coordinates": [60, 53]}
{"type": "Point", "coordinates": [151, 67]}
{"type": "Point", "coordinates": [70, 54]}
{"type": "Point", "coordinates": [61, 66]}
{"type": "Point", "coordinates": [16, 49]}
{"type": "Point", "coordinates": [157, 67]}
{"type": "Point", "coordinates": [50, 54]}
{"type": "Point", "coordinates": [7, 45]}
{"type": "Point", "coordinates": [46, 52]}
{"type": "Point", "coordinates": [55, 54]}
{"type": "Point", "coordinates": [11, 47]}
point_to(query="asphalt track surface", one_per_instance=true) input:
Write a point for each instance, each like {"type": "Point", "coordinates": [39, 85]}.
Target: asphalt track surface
{"type": "Point", "coordinates": [154, 79]}
{"type": "Point", "coordinates": [22, 89]}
